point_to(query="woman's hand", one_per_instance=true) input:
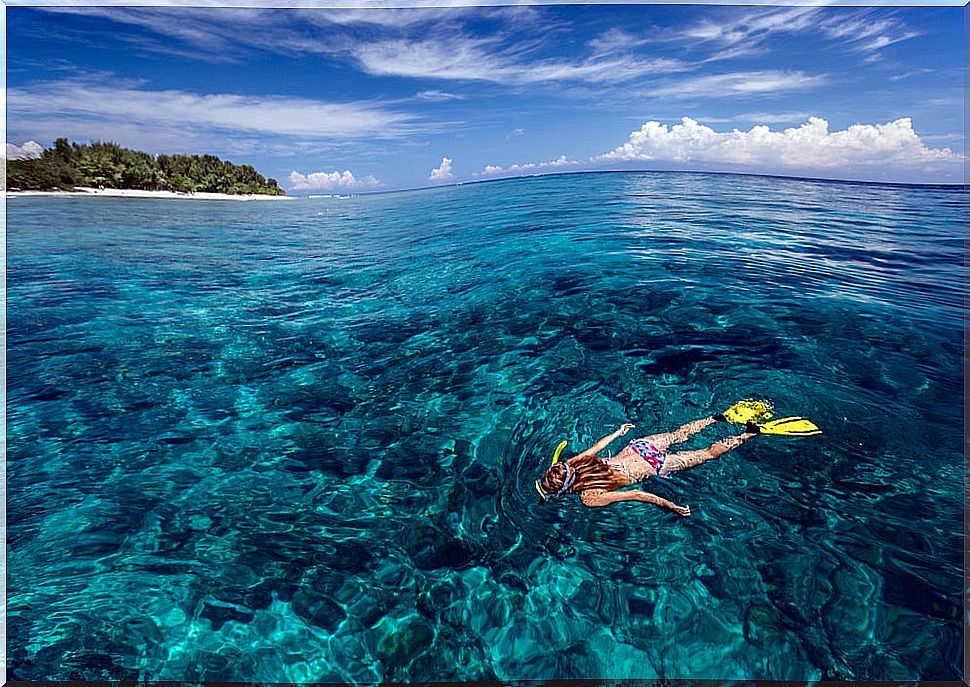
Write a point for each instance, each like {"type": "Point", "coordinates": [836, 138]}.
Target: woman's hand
{"type": "Point", "coordinates": [624, 428]}
{"type": "Point", "coordinates": [681, 510]}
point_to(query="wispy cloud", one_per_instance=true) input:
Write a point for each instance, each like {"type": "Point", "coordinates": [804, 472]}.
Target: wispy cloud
{"type": "Point", "coordinates": [759, 118]}
{"type": "Point", "coordinates": [227, 33]}
{"type": "Point", "coordinates": [910, 74]}
{"type": "Point", "coordinates": [77, 103]}
{"type": "Point", "coordinates": [808, 147]}
{"type": "Point", "coordinates": [747, 32]}
{"type": "Point", "coordinates": [438, 96]}
{"type": "Point", "coordinates": [213, 33]}
{"type": "Point", "coordinates": [413, 43]}
{"type": "Point", "coordinates": [616, 40]}
{"type": "Point", "coordinates": [732, 34]}
{"type": "Point", "coordinates": [331, 181]}
{"type": "Point", "coordinates": [462, 58]}
{"type": "Point", "coordinates": [393, 16]}
{"type": "Point", "coordinates": [739, 84]}
{"type": "Point", "coordinates": [866, 32]}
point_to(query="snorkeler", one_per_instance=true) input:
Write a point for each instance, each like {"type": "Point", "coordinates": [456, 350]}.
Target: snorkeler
{"type": "Point", "coordinates": [598, 480]}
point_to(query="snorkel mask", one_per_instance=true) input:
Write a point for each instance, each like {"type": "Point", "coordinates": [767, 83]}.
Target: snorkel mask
{"type": "Point", "coordinates": [570, 476]}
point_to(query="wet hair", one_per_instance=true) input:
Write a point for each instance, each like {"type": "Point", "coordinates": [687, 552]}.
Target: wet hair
{"type": "Point", "coordinates": [590, 472]}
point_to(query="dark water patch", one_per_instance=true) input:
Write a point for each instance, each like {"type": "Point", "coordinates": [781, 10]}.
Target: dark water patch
{"type": "Point", "coordinates": [219, 614]}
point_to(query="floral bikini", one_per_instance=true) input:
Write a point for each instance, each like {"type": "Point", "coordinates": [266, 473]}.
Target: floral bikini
{"type": "Point", "coordinates": [649, 453]}
{"type": "Point", "coordinates": [654, 456]}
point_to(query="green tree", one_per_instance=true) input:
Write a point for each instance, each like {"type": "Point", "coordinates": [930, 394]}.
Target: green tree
{"type": "Point", "coordinates": [67, 165]}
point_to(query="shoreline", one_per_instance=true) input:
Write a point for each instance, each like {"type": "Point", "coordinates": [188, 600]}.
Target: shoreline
{"type": "Point", "coordinates": [82, 191]}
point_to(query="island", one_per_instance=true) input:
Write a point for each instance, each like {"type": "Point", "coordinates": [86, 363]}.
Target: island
{"type": "Point", "coordinates": [107, 167]}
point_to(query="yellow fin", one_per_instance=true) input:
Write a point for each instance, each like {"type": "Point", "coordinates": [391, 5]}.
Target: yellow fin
{"type": "Point", "coordinates": [791, 427]}
{"type": "Point", "coordinates": [748, 411]}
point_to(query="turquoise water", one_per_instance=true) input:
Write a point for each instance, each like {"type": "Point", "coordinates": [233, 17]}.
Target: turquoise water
{"type": "Point", "coordinates": [283, 442]}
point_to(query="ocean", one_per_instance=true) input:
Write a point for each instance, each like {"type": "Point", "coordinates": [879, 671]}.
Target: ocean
{"type": "Point", "coordinates": [291, 442]}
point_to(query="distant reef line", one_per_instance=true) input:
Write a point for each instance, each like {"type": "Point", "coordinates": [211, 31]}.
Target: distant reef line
{"type": "Point", "coordinates": [66, 167]}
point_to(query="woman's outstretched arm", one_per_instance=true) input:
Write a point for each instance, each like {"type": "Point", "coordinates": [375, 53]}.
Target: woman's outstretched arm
{"type": "Point", "coordinates": [606, 441]}
{"type": "Point", "coordinates": [594, 498]}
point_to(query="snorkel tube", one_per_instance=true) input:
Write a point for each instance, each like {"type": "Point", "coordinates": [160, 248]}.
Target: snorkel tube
{"type": "Point", "coordinates": [555, 459]}
{"type": "Point", "coordinates": [555, 456]}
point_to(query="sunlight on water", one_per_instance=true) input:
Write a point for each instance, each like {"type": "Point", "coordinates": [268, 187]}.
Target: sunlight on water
{"type": "Point", "coordinates": [295, 442]}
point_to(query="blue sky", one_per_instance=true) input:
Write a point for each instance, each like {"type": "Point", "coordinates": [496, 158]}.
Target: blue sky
{"type": "Point", "coordinates": [370, 99]}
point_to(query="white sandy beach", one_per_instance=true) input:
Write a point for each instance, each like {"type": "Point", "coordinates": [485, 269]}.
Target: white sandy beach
{"type": "Point", "coordinates": [132, 193]}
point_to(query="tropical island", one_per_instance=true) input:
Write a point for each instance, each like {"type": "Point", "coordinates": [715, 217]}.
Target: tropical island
{"type": "Point", "coordinates": [108, 166]}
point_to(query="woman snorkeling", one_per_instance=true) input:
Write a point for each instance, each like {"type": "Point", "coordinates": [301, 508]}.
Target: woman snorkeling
{"type": "Point", "coordinates": [598, 480]}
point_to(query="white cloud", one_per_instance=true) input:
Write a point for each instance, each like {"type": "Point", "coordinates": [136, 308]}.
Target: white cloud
{"type": "Point", "coordinates": [28, 151]}
{"type": "Point", "coordinates": [561, 161]}
{"type": "Point", "coordinates": [735, 84]}
{"type": "Point", "coordinates": [392, 16]}
{"type": "Point", "coordinates": [745, 32]}
{"type": "Point", "coordinates": [456, 57]}
{"type": "Point", "coordinates": [442, 173]}
{"type": "Point", "coordinates": [616, 40]}
{"type": "Point", "coordinates": [331, 181]}
{"type": "Point", "coordinates": [79, 103]}
{"type": "Point", "coordinates": [397, 18]}
{"type": "Point", "coordinates": [434, 95]}
{"type": "Point", "coordinates": [749, 26]}
{"type": "Point", "coordinates": [217, 33]}
{"type": "Point", "coordinates": [808, 147]}
{"type": "Point", "coordinates": [910, 74]}
{"type": "Point", "coordinates": [734, 34]}
{"type": "Point", "coordinates": [864, 32]}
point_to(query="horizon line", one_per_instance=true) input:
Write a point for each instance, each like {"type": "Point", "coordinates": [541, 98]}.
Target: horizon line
{"type": "Point", "coordinates": [940, 184]}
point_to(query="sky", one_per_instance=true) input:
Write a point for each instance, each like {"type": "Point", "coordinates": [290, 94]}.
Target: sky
{"type": "Point", "coordinates": [360, 100]}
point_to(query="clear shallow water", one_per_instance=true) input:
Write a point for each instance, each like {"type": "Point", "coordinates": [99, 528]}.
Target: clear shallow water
{"type": "Point", "coordinates": [295, 441]}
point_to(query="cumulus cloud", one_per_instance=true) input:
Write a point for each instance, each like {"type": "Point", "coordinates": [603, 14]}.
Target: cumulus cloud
{"type": "Point", "coordinates": [442, 173]}
{"type": "Point", "coordinates": [561, 161]}
{"type": "Point", "coordinates": [331, 181]}
{"type": "Point", "coordinates": [810, 146]}
{"type": "Point", "coordinates": [28, 151]}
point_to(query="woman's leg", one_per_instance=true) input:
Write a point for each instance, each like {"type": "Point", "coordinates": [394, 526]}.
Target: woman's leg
{"type": "Point", "coordinates": [683, 460]}
{"type": "Point", "coordinates": [683, 433]}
